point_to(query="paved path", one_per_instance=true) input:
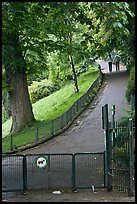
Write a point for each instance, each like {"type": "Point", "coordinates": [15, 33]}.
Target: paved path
{"type": "Point", "coordinates": [86, 133]}
{"type": "Point", "coordinates": [81, 196]}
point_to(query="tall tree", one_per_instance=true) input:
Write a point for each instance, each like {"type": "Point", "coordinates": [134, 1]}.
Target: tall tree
{"type": "Point", "coordinates": [15, 67]}
{"type": "Point", "coordinates": [47, 26]}
{"type": "Point", "coordinates": [63, 27]}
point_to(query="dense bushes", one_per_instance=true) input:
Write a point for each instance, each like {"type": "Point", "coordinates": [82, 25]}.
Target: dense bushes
{"type": "Point", "coordinates": [39, 90]}
{"type": "Point", "coordinates": [131, 85]}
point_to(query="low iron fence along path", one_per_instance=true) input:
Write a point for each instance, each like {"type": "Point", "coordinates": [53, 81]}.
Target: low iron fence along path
{"type": "Point", "coordinates": [56, 126]}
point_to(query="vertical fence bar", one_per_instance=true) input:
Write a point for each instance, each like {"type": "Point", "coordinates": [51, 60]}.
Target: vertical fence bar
{"type": "Point", "coordinates": [48, 171]}
{"type": "Point", "coordinates": [105, 122]}
{"type": "Point", "coordinates": [77, 105]}
{"type": "Point", "coordinates": [11, 142]}
{"type": "Point", "coordinates": [104, 168]}
{"type": "Point", "coordinates": [37, 135]}
{"type": "Point", "coordinates": [113, 124]}
{"type": "Point", "coordinates": [24, 173]}
{"type": "Point", "coordinates": [70, 113]}
{"type": "Point", "coordinates": [130, 152]}
{"type": "Point", "coordinates": [52, 127]}
{"type": "Point", "coordinates": [61, 121]}
{"type": "Point", "coordinates": [67, 117]}
{"type": "Point", "coordinates": [73, 174]}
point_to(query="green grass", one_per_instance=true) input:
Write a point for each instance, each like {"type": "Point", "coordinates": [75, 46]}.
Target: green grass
{"type": "Point", "coordinates": [57, 103]}
{"type": "Point", "coordinates": [49, 108]}
{"type": "Point", "coordinates": [6, 128]}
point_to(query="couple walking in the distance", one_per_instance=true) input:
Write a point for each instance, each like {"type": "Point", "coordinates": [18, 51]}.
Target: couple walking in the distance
{"type": "Point", "coordinates": [116, 60]}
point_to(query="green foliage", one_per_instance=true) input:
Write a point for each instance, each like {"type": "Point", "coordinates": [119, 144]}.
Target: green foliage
{"type": "Point", "coordinates": [6, 126]}
{"type": "Point", "coordinates": [58, 66]}
{"type": "Point", "coordinates": [122, 136]}
{"type": "Point", "coordinates": [53, 23]}
{"type": "Point", "coordinates": [5, 114]}
{"type": "Point", "coordinates": [121, 147]}
{"type": "Point", "coordinates": [82, 69]}
{"type": "Point", "coordinates": [60, 101]}
{"type": "Point", "coordinates": [124, 120]}
{"type": "Point", "coordinates": [5, 107]}
{"type": "Point", "coordinates": [39, 90]}
{"type": "Point", "coordinates": [122, 157]}
{"type": "Point", "coordinates": [131, 85]}
{"type": "Point", "coordinates": [113, 29]}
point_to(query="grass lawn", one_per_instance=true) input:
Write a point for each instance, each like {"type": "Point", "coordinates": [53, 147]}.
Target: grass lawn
{"type": "Point", "coordinates": [50, 107]}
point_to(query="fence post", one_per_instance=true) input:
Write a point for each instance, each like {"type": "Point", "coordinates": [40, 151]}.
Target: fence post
{"type": "Point", "coordinates": [76, 106]}
{"type": "Point", "coordinates": [105, 125]}
{"type": "Point", "coordinates": [70, 113]}
{"type": "Point", "coordinates": [48, 171]}
{"type": "Point", "coordinates": [24, 173]}
{"type": "Point", "coordinates": [52, 127]}
{"type": "Point", "coordinates": [37, 135]}
{"type": "Point", "coordinates": [113, 124]}
{"type": "Point", "coordinates": [61, 121]}
{"type": "Point", "coordinates": [130, 152]}
{"type": "Point", "coordinates": [11, 142]}
{"type": "Point", "coordinates": [104, 168]}
{"type": "Point", "coordinates": [73, 174]}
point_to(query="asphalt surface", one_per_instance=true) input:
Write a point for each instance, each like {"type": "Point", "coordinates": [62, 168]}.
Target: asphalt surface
{"type": "Point", "coordinates": [62, 196]}
{"type": "Point", "coordinates": [86, 133]}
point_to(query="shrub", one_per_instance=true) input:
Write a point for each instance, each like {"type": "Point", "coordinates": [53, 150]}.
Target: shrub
{"type": "Point", "coordinates": [39, 90]}
{"type": "Point", "coordinates": [122, 157]}
{"type": "Point", "coordinates": [131, 85]}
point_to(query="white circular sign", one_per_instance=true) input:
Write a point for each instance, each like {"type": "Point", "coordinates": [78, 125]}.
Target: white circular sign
{"type": "Point", "coordinates": [41, 162]}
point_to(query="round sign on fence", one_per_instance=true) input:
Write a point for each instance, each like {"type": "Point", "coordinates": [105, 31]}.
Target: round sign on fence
{"type": "Point", "coordinates": [41, 162]}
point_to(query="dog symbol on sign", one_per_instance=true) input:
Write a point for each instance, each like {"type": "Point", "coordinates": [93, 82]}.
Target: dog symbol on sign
{"type": "Point", "coordinates": [41, 162]}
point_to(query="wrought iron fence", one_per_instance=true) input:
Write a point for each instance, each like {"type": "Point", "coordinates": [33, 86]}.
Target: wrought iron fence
{"type": "Point", "coordinates": [123, 159]}
{"type": "Point", "coordinates": [120, 153]}
{"type": "Point", "coordinates": [89, 170]}
{"type": "Point", "coordinates": [62, 171]}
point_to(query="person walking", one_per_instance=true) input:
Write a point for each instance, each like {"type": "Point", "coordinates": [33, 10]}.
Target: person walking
{"type": "Point", "coordinates": [117, 60]}
{"type": "Point", "coordinates": [109, 59]}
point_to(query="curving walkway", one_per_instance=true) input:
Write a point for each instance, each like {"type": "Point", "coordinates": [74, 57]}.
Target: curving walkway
{"type": "Point", "coordinates": [86, 133]}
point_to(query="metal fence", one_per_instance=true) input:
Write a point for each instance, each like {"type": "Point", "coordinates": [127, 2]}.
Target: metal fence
{"type": "Point", "coordinates": [89, 170]}
{"type": "Point", "coordinates": [54, 127]}
{"type": "Point", "coordinates": [113, 168]}
{"type": "Point", "coordinates": [63, 171]}
{"type": "Point", "coordinates": [123, 159]}
{"type": "Point", "coordinates": [120, 153]}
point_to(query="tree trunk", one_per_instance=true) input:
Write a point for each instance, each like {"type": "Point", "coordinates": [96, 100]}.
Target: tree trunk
{"type": "Point", "coordinates": [73, 74]}
{"type": "Point", "coordinates": [21, 109]}
{"type": "Point", "coordinates": [20, 105]}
